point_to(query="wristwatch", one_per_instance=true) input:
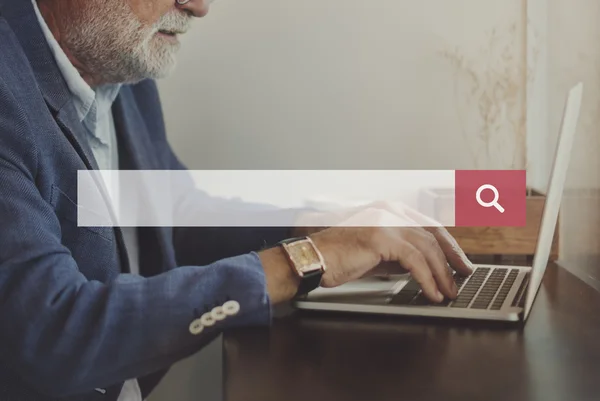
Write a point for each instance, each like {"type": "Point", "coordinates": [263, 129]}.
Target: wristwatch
{"type": "Point", "coordinates": [306, 262]}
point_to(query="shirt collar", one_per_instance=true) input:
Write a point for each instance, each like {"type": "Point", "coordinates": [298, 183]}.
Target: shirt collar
{"type": "Point", "coordinates": [88, 102]}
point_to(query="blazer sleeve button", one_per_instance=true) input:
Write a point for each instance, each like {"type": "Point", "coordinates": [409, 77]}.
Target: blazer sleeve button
{"type": "Point", "coordinates": [196, 327]}
{"type": "Point", "coordinates": [217, 313]}
{"type": "Point", "coordinates": [231, 308]}
{"type": "Point", "coordinates": [207, 320]}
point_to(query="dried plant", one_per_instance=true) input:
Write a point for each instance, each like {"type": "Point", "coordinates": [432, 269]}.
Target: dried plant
{"type": "Point", "coordinates": [490, 98]}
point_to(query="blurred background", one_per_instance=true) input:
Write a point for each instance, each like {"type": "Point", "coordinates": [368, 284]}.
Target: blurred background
{"type": "Point", "coordinates": [388, 84]}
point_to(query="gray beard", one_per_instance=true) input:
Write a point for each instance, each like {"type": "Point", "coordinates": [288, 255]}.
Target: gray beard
{"type": "Point", "coordinates": [114, 46]}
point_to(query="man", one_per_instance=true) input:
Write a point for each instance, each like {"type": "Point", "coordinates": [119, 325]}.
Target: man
{"type": "Point", "coordinates": [96, 313]}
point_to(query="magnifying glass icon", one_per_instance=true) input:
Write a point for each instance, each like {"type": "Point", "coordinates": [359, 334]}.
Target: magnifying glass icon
{"type": "Point", "coordinates": [493, 203]}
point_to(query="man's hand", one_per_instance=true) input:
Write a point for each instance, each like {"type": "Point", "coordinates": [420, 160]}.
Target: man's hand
{"type": "Point", "coordinates": [353, 252]}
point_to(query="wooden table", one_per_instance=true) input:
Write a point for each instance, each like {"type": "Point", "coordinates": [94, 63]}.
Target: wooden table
{"type": "Point", "coordinates": [337, 357]}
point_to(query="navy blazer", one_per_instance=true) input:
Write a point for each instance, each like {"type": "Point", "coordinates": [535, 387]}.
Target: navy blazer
{"type": "Point", "coordinates": [72, 319]}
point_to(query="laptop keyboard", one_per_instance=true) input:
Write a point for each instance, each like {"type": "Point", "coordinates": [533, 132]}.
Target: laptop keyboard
{"type": "Point", "coordinates": [520, 297]}
{"type": "Point", "coordinates": [486, 288]}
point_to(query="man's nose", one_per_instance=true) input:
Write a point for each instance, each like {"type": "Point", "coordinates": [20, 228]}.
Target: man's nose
{"type": "Point", "coordinates": [198, 8]}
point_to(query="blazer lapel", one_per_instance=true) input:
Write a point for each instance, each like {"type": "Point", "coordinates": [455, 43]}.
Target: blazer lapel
{"type": "Point", "coordinates": [134, 147]}
{"type": "Point", "coordinates": [67, 119]}
{"type": "Point", "coordinates": [75, 132]}
{"type": "Point", "coordinates": [136, 153]}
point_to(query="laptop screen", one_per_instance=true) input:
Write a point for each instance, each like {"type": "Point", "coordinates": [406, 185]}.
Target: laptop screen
{"type": "Point", "coordinates": [554, 194]}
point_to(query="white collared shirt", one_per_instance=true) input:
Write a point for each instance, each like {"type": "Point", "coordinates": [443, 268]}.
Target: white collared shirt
{"type": "Point", "coordinates": [94, 111]}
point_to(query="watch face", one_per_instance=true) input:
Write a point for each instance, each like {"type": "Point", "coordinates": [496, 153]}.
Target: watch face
{"type": "Point", "coordinates": [304, 256]}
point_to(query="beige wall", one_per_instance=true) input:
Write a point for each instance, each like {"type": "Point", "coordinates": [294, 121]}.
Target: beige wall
{"type": "Point", "coordinates": [352, 84]}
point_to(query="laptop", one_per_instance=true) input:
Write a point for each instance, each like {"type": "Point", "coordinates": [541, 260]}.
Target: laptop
{"type": "Point", "coordinates": [492, 292]}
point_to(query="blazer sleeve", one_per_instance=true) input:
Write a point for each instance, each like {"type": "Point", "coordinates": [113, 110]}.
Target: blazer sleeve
{"type": "Point", "coordinates": [65, 334]}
